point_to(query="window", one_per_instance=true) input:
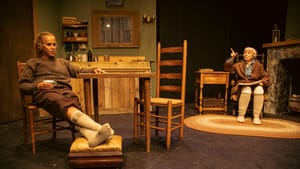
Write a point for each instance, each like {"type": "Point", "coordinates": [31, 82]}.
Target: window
{"type": "Point", "coordinates": [115, 29]}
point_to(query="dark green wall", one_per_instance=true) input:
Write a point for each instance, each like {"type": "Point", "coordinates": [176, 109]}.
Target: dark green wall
{"type": "Point", "coordinates": [212, 27]}
{"type": "Point", "coordinates": [292, 24]}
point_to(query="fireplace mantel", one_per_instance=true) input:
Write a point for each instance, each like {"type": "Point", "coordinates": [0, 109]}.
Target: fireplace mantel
{"type": "Point", "coordinates": [290, 42]}
{"type": "Point", "coordinates": [280, 90]}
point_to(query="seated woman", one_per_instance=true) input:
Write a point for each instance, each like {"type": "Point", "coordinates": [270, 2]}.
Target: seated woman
{"type": "Point", "coordinates": [59, 99]}
{"type": "Point", "coordinates": [250, 77]}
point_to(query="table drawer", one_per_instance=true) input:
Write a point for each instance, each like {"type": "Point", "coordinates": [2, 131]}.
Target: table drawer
{"type": "Point", "coordinates": [215, 78]}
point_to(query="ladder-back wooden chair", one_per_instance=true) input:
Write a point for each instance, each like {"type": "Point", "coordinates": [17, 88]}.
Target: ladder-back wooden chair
{"type": "Point", "coordinates": [169, 104]}
{"type": "Point", "coordinates": [234, 97]}
{"type": "Point", "coordinates": [33, 123]}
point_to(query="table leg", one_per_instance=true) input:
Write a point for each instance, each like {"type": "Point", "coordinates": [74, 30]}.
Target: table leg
{"type": "Point", "coordinates": [147, 111]}
{"type": "Point", "coordinates": [95, 99]}
{"type": "Point", "coordinates": [87, 96]}
{"type": "Point", "coordinates": [225, 100]}
{"type": "Point", "coordinates": [142, 116]}
{"type": "Point", "coordinates": [201, 100]}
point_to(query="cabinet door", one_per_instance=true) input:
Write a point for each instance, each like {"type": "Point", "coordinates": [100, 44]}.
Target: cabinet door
{"type": "Point", "coordinates": [117, 95]}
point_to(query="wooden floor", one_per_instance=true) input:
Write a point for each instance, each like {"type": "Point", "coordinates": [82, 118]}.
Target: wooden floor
{"type": "Point", "coordinates": [198, 150]}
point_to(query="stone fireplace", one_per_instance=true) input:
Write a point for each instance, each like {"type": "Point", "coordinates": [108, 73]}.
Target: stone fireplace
{"type": "Point", "coordinates": [283, 66]}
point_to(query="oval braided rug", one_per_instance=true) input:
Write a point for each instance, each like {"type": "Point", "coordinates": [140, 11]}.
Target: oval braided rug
{"type": "Point", "coordinates": [227, 124]}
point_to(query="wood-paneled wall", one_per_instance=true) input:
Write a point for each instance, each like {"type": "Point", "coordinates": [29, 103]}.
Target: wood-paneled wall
{"type": "Point", "coordinates": [16, 34]}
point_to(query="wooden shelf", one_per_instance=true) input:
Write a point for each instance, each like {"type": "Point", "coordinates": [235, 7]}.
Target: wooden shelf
{"type": "Point", "coordinates": [75, 39]}
{"type": "Point", "coordinates": [69, 31]}
{"type": "Point", "coordinates": [75, 25]}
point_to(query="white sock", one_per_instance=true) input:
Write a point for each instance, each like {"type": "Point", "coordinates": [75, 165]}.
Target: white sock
{"type": "Point", "coordinates": [243, 103]}
{"type": "Point", "coordinates": [258, 102]}
{"type": "Point", "coordinates": [84, 121]}
{"type": "Point", "coordinates": [95, 138]}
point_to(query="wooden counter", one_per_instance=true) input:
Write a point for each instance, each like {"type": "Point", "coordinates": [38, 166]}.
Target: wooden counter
{"type": "Point", "coordinates": [118, 93]}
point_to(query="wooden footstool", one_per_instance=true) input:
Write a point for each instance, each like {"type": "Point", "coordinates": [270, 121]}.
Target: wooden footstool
{"type": "Point", "coordinates": [107, 155]}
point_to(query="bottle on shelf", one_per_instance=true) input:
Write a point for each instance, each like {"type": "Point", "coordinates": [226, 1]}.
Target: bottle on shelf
{"type": "Point", "coordinates": [90, 56]}
{"type": "Point", "coordinates": [71, 57]}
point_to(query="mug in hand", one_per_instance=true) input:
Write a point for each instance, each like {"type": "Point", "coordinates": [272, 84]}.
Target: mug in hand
{"type": "Point", "coordinates": [50, 81]}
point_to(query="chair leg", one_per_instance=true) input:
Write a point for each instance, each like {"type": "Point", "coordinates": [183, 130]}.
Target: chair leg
{"type": "Point", "coordinates": [73, 130]}
{"type": "Point", "coordinates": [135, 120]}
{"type": "Point", "coordinates": [168, 127]}
{"type": "Point", "coordinates": [139, 119]}
{"type": "Point", "coordinates": [142, 121]}
{"type": "Point", "coordinates": [156, 120]}
{"type": "Point", "coordinates": [32, 132]}
{"type": "Point", "coordinates": [25, 127]}
{"type": "Point", "coordinates": [181, 122]}
{"type": "Point", "coordinates": [234, 108]}
{"type": "Point", "coordinates": [54, 127]}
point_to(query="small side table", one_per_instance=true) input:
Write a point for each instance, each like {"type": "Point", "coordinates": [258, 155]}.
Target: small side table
{"type": "Point", "coordinates": [210, 78]}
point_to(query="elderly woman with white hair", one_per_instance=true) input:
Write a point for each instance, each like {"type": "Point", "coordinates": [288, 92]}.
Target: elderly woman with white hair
{"type": "Point", "coordinates": [250, 78]}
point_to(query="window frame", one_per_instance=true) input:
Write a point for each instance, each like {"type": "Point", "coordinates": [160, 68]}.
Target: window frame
{"type": "Point", "coordinates": [96, 29]}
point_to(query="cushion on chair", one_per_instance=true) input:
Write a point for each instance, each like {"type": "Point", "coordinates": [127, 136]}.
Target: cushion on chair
{"type": "Point", "coordinates": [108, 154]}
{"type": "Point", "coordinates": [165, 100]}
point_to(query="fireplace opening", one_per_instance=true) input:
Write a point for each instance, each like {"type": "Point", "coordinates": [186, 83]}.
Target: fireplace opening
{"type": "Point", "coordinates": [291, 66]}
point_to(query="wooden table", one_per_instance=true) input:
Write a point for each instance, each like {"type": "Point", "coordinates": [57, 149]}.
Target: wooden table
{"type": "Point", "coordinates": [90, 81]}
{"type": "Point", "coordinates": [210, 78]}
{"type": "Point", "coordinates": [123, 89]}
